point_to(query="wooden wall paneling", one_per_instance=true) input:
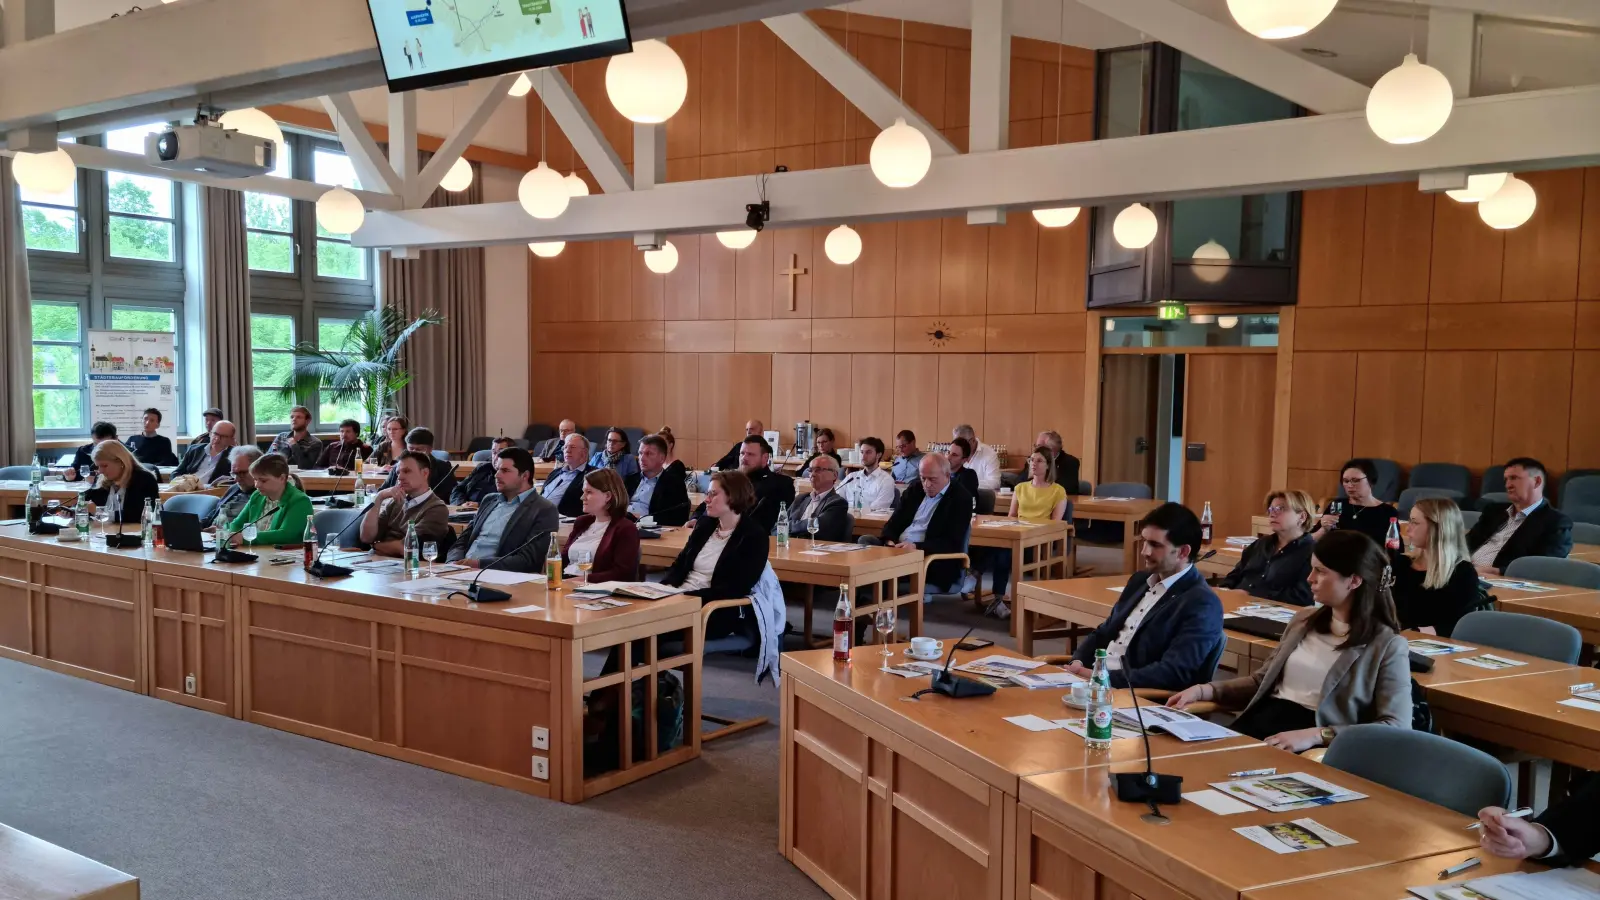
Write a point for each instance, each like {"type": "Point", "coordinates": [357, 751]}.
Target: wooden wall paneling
{"type": "Point", "coordinates": [1321, 417]}
{"type": "Point", "coordinates": [1542, 253]}
{"type": "Point", "coordinates": [1332, 237]}
{"type": "Point", "coordinates": [646, 391]}
{"type": "Point", "coordinates": [1283, 394]}
{"type": "Point", "coordinates": [649, 289]}
{"type": "Point", "coordinates": [719, 125]}
{"type": "Point", "coordinates": [1035, 333]}
{"type": "Point", "coordinates": [831, 395]}
{"type": "Point", "coordinates": [1583, 446]}
{"type": "Point", "coordinates": [1027, 88]}
{"type": "Point", "coordinates": [791, 389]}
{"type": "Point", "coordinates": [1397, 245]}
{"type": "Point", "coordinates": [1321, 484]}
{"type": "Point", "coordinates": [872, 398]}
{"type": "Point", "coordinates": [794, 94]}
{"type": "Point", "coordinates": [924, 82]}
{"type": "Point", "coordinates": [772, 336]}
{"type": "Point", "coordinates": [1229, 409]}
{"type": "Point", "coordinates": [830, 109]}
{"type": "Point", "coordinates": [963, 268]}
{"type": "Point", "coordinates": [1502, 326]}
{"type": "Point", "coordinates": [680, 396]}
{"type": "Point", "coordinates": [1013, 268]}
{"type": "Point", "coordinates": [614, 262]}
{"type": "Point", "coordinates": [1458, 407]}
{"type": "Point", "coordinates": [918, 245]}
{"type": "Point", "coordinates": [940, 334]}
{"type": "Point", "coordinates": [831, 284]}
{"type": "Point", "coordinates": [1533, 405]}
{"type": "Point", "coordinates": [962, 392]}
{"type": "Point", "coordinates": [852, 335]}
{"type": "Point", "coordinates": [551, 281]}
{"type": "Point", "coordinates": [916, 397]}
{"type": "Point", "coordinates": [753, 275]}
{"type": "Point", "coordinates": [881, 56]}
{"type": "Point", "coordinates": [683, 129]}
{"type": "Point", "coordinates": [733, 388]}
{"type": "Point", "coordinates": [1388, 405]}
{"type": "Point", "coordinates": [569, 337]}
{"type": "Point", "coordinates": [1468, 256]}
{"type": "Point", "coordinates": [1588, 331]}
{"type": "Point", "coordinates": [957, 89]}
{"type": "Point", "coordinates": [584, 259]}
{"type": "Point", "coordinates": [546, 403]}
{"type": "Point", "coordinates": [1589, 237]}
{"type": "Point", "coordinates": [873, 275]}
{"type": "Point", "coordinates": [1009, 382]}
{"type": "Point", "coordinates": [700, 337]}
{"type": "Point", "coordinates": [758, 114]}
{"type": "Point", "coordinates": [1062, 281]}
{"type": "Point", "coordinates": [684, 168]}
{"type": "Point", "coordinates": [1058, 398]}
{"type": "Point", "coordinates": [717, 299]}
{"type": "Point", "coordinates": [1362, 328]}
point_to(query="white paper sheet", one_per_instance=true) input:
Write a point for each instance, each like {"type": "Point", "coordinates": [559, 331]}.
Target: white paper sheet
{"type": "Point", "coordinates": [1295, 836]}
{"type": "Point", "coordinates": [1033, 722]}
{"type": "Point", "coordinates": [1551, 884]}
{"type": "Point", "coordinates": [498, 576]}
{"type": "Point", "coordinates": [1217, 802]}
{"type": "Point", "coordinates": [1491, 661]}
{"type": "Point", "coordinates": [1000, 666]}
{"type": "Point", "coordinates": [1590, 705]}
{"type": "Point", "coordinates": [522, 609]}
{"type": "Point", "coordinates": [1436, 648]}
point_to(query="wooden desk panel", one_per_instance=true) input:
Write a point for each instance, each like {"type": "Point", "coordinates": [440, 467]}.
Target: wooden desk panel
{"type": "Point", "coordinates": [1110, 509]}
{"type": "Point", "coordinates": [34, 869]}
{"type": "Point", "coordinates": [1586, 552]}
{"type": "Point", "coordinates": [191, 641]}
{"type": "Point", "coordinates": [1393, 880]}
{"type": "Point", "coordinates": [1524, 712]}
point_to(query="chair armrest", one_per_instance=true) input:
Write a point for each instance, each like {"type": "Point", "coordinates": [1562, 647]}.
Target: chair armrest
{"type": "Point", "coordinates": [937, 557]}
{"type": "Point", "coordinates": [1159, 695]}
{"type": "Point", "coordinates": [713, 606]}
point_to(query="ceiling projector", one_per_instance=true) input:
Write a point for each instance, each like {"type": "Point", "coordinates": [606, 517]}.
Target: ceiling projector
{"type": "Point", "coordinates": [211, 149]}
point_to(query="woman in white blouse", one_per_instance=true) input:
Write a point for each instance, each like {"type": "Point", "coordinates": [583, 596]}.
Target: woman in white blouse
{"type": "Point", "coordinates": [1341, 663]}
{"type": "Point", "coordinates": [725, 555]}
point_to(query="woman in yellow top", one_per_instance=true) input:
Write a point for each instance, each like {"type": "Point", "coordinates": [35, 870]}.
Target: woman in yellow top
{"type": "Point", "coordinates": [1039, 499]}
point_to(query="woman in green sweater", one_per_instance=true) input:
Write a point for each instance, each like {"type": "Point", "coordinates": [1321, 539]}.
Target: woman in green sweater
{"type": "Point", "coordinates": [277, 497]}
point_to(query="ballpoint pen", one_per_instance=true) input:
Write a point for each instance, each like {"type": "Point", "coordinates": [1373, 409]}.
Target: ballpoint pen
{"type": "Point", "coordinates": [1252, 773]}
{"type": "Point", "coordinates": [1522, 813]}
{"type": "Point", "coordinates": [1460, 867]}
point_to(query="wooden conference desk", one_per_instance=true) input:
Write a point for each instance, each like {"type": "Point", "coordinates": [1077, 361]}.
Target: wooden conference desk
{"type": "Point", "coordinates": [356, 661]}
{"type": "Point", "coordinates": [1524, 712]}
{"type": "Point", "coordinates": [1586, 552]}
{"type": "Point", "coordinates": [1050, 544]}
{"type": "Point", "coordinates": [34, 869]}
{"type": "Point", "coordinates": [1115, 509]}
{"type": "Point", "coordinates": [14, 494]}
{"type": "Point", "coordinates": [1393, 880]}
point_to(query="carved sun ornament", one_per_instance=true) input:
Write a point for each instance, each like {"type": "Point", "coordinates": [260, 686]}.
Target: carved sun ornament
{"type": "Point", "coordinates": [940, 334]}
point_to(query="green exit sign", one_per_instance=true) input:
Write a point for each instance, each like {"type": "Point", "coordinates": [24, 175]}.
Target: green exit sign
{"type": "Point", "coordinates": [1173, 311]}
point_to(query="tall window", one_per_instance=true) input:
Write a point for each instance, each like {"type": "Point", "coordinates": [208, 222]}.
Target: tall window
{"type": "Point", "coordinates": [269, 224]}
{"type": "Point", "coordinates": [332, 335]}
{"type": "Point", "coordinates": [50, 222]}
{"type": "Point", "coordinates": [58, 404]}
{"type": "Point", "coordinates": [271, 361]}
{"type": "Point", "coordinates": [335, 257]}
{"type": "Point", "coordinates": [142, 209]}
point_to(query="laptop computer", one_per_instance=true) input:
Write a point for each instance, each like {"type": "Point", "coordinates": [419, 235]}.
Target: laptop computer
{"type": "Point", "coordinates": [182, 532]}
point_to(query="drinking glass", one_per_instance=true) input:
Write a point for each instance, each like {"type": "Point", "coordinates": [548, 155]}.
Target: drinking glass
{"type": "Point", "coordinates": [884, 623]}
{"type": "Point", "coordinates": [813, 525]}
{"type": "Point", "coordinates": [430, 552]}
{"type": "Point", "coordinates": [83, 473]}
{"type": "Point", "coordinates": [250, 531]}
{"type": "Point", "coordinates": [584, 560]}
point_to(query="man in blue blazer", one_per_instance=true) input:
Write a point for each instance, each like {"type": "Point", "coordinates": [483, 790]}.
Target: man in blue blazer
{"type": "Point", "coordinates": [1166, 629]}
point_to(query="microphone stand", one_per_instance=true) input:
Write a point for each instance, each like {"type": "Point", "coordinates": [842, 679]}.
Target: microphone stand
{"type": "Point", "coordinates": [481, 593]}
{"type": "Point", "coordinates": [1147, 786]}
{"type": "Point", "coordinates": [320, 568]}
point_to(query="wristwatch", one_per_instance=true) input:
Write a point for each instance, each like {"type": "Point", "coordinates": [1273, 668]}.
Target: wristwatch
{"type": "Point", "coordinates": [1327, 736]}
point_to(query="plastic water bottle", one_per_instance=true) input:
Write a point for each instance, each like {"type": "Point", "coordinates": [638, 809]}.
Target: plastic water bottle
{"type": "Point", "coordinates": [1391, 541]}
{"type": "Point", "coordinates": [147, 531]}
{"type": "Point", "coordinates": [413, 552]}
{"type": "Point", "coordinates": [80, 521]}
{"type": "Point", "coordinates": [1097, 726]}
{"type": "Point", "coordinates": [783, 526]}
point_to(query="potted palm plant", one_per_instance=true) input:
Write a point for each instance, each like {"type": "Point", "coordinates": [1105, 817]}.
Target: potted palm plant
{"type": "Point", "coordinates": [368, 368]}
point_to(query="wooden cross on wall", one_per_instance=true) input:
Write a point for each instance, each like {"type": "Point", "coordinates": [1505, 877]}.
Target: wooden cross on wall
{"type": "Point", "coordinates": [793, 272]}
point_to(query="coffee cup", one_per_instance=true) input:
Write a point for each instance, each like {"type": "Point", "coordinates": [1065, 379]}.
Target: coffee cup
{"type": "Point", "coordinates": [1080, 693]}
{"type": "Point", "coordinates": [926, 646]}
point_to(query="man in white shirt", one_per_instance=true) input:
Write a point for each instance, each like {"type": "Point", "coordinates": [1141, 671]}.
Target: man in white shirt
{"type": "Point", "coordinates": [985, 463]}
{"type": "Point", "coordinates": [872, 487]}
{"type": "Point", "coordinates": [1527, 526]}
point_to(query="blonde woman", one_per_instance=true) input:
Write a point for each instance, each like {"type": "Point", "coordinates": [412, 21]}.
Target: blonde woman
{"type": "Point", "coordinates": [124, 486]}
{"type": "Point", "coordinates": [1275, 567]}
{"type": "Point", "coordinates": [1434, 581]}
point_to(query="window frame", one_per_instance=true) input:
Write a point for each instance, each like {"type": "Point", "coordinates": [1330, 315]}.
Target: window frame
{"type": "Point", "coordinates": [82, 387]}
{"type": "Point", "coordinates": [129, 265]}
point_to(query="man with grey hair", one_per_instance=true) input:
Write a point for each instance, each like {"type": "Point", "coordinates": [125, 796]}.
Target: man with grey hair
{"type": "Point", "coordinates": [985, 463]}
{"type": "Point", "coordinates": [564, 487]}
{"type": "Point", "coordinates": [209, 461]}
{"type": "Point", "coordinates": [934, 516]}
{"type": "Point", "coordinates": [244, 485]}
{"type": "Point", "coordinates": [1067, 465]}
{"type": "Point", "coordinates": [551, 448]}
{"type": "Point", "coordinates": [824, 504]}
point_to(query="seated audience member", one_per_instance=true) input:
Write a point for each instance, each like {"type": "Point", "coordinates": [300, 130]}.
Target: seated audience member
{"type": "Point", "coordinates": [409, 501]}
{"type": "Point", "coordinates": [960, 451]}
{"type": "Point", "coordinates": [730, 460]}
{"type": "Point", "coordinates": [1339, 664]}
{"type": "Point", "coordinates": [724, 555]}
{"type": "Point", "coordinates": [906, 457]}
{"type": "Point", "coordinates": [513, 528]}
{"type": "Point", "coordinates": [655, 490]}
{"type": "Point", "coordinates": [672, 450]}
{"type": "Point", "coordinates": [615, 455]}
{"type": "Point", "coordinates": [209, 461]}
{"type": "Point", "coordinates": [553, 448]}
{"type": "Point", "coordinates": [1434, 581]}
{"type": "Point", "coordinates": [84, 457]}
{"type": "Point", "coordinates": [1565, 834]}
{"type": "Point", "coordinates": [1362, 510]}
{"type": "Point", "coordinates": [1167, 625]}
{"type": "Point", "coordinates": [1039, 499]}
{"type": "Point", "coordinates": [984, 460]}
{"type": "Point", "coordinates": [298, 445]}
{"type": "Point", "coordinates": [773, 489]}
{"type": "Point", "coordinates": [1276, 566]}
{"type": "Point", "coordinates": [211, 417]}
{"type": "Point", "coordinates": [393, 445]}
{"type": "Point", "coordinates": [342, 454]}
{"type": "Point", "coordinates": [824, 504]}
{"type": "Point", "coordinates": [441, 472]}
{"type": "Point", "coordinates": [122, 485]}
{"type": "Point", "coordinates": [151, 448]}
{"type": "Point", "coordinates": [564, 487]}
{"type": "Point", "coordinates": [480, 482]}
{"type": "Point", "coordinates": [604, 531]}
{"type": "Point", "coordinates": [240, 459]}
{"type": "Point", "coordinates": [278, 509]}
{"type": "Point", "coordinates": [1067, 465]}
{"type": "Point", "coordinates": [872, 487]}
{"type": "Point", "coordinates": [1527, 526]}
{"type": "Point", "coordinates": [934, 516]}
{"type": "Point", "coordinates": [824, 447]}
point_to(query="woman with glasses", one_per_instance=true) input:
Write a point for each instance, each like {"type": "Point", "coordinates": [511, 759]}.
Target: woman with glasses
{"type": "Point", "coordinates": [1361, 510]}
{"type": "Point", "coordinates": [1276, 566]}
{"type": "Point", "coordinates": [276, 498]}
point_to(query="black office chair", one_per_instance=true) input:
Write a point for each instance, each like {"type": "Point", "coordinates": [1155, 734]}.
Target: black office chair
{"type": "Point", "coordinates": [329, 522]}
{"type": "Point", "coordinates": [16, 473]}
{"type": "Point", "coordinates": [202, 506]}
{"type": "Point", "coordinates": [479, 443]}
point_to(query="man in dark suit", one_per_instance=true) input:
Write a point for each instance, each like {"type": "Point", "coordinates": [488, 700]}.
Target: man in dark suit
{"type": "Point", "coordinates": [1566, 834]}
{"type": "Point", "coordinates": [773, 489]}
{"type": "Point", "coordinates": [513, 527]}
{"type": "Point", "coordinates": [1067, 465]}
{"type": "Point", "coordinates": [208, 461]}
{"type": "Point", "coordinates": [1527, 526]}
{"type": "Point", "coordinates": [441, 472]}
{"type": "Point", "coordinates": [935, 516]}
{"type": "Point", "coordinates": [84, 456]}
{"type": "Point", "coordinates": [1166, 628]}
{"type": "Point", "coordinates": [151, 448]}
{"type": "Point", "coordinates": [653, 491]}
{"type": "Point", "coordinates": [730, 460]}
{"type": "Point", "coordinates": [564, 487]}
{"type": "Point", "coordinates": [480, 483]}
{"type": "Point", "coordinates": [552, 447]}
{"type": "Point", "coordinates": [824, 504]}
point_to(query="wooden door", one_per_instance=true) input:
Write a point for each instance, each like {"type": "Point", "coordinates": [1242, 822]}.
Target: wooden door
{"type": "Point", "coordinates": [1228, 408]}
{"type": "Point", "coordinates": [1128, 405]}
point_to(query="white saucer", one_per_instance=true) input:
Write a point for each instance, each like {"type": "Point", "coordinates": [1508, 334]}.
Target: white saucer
{"type": "Point", "coordinates": [934, 658]}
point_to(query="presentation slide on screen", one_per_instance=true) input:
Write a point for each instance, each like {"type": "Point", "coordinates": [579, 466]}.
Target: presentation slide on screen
{"type": "Point", "coordinates": [419, 37]}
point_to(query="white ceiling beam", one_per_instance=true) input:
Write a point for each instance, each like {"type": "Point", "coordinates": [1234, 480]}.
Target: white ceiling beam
{"type": "Point", "coordinates": [1520, 132]}
{"type": "Point", "coordinates": [1583, 13]}
{"type": "Point", "coordinates": [493, 93]}
{"type": "Point", "coordinates": [365, 155]}
{"type": "Point", "coordinates": [989, 97]}
{"type": "Point", "coordinates": [581, 131]}
{"type": "Point", "coordinates": [1237, 52]}
{"type": "Point", "coordinates": [859, 86]}
{"type": "Point", "coordinates": [403, 140]}
{"type": "Point", "coordinates": [1453, 46]}
{"type": "Point", "coordinates": [649, 156]}
{"type": "Point", "coordinates": [27, 20]}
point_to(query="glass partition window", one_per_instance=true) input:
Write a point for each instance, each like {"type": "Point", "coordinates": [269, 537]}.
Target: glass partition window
{"type": "Point", "coordinates": [1219, 330]}
{"type": "Point", "coordinates": [271, 362]}
{"type": "Point", "coordinates": [50, 221]}
{"type": "Point", "coordinates": [141, 209]}
{"type": "Point", "coordinates": [58, 367]}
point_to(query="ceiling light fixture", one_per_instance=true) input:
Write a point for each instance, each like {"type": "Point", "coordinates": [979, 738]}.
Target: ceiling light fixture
{"type": "Point", "coordinates": [1510, 206]}
{"type": "Point", "coordinates": [459, 178]}
{"type": "Point", "coordinates": [543, 193]}
{"type": "Point", "coordinates": [547, 249]}
{"type": "Point", "coordinates": [1410, 103]}
{"type": "Point", "coordinates": [1479, 187]}
{"type": "Point", "coordinates": [900, 154]}
{"type": "Point", "coordinates": [1135, 227]}
{"type": "Point", "coordinates": [1213, 251]}
{"type": "Point", "coordinates": [842, 246]}
{"type": "Point", "coordinates": [340, 211]}
{"type": "Point", "coordinates": [1227, 321]}
{"type": "Point", "coordinates": [1059, 216]}
{"type": "Point", "coordinates": [50, 172]}
{"type": "Point", "coordinates": [738, 239]}
{"type": "Point", "coordinates": [1278, 19]}
{"type": "Point", "coordinates": [576, 186]}
{"type": "Point", "coordinates": [521, 86]}
{"type": "Point", "coordinates": [1202, 319]}
{"type": "Point", "coordinates": [662, 261]}
{"type": "Point", "coordinates": [648, 85]}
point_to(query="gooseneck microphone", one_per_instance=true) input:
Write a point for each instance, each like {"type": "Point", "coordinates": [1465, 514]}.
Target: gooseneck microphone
{"type": "Point", "coordinates": [1147, 786]}
{"type": "Point", "coordinates": [482, 593]}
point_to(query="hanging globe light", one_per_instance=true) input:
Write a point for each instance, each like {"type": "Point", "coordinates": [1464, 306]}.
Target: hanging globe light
{"type": "Point", "coordinates": [900, 155]}
{"type": "Point", "coordinates": [544, 194]}
{"type": "Point", "coordinates": [51, 172]}
{"type": "Point", "coordinates": [459, 178]}
{"type": "Point", "coordinates": [521, 86]}
{"type": "Point", "coordinates": [547, 249]}
{"type": "Point", "coordinates": [1135, 227]}
{"type": "Point", "coordinates": [662, 261]}
{"type": "Point", "coordinates": [1278, 19]}
{"type": "Point", "coordinates": [648, 85]}
{"type": "Point", "coordinates": [253, 122]}
{"type": "Point", "coordinates": [1059, 217]}
{"type": "Point", "coordinates": [1510, 206]}
{"type": "Point", "coordinates": [1410, 103]}
{"type": "Point", "coordinates": [1210, 274]}
{"type": "Point", "coordinates": [737, 239]}
{"type": "Point", "coordinates": [1479, 187]}
{"type": "Point", "coordinates": [843, 245]}
{"type": "Point", "coordinates": [340, 211]}
{"type": "Point", "coordinates": [576, 186]}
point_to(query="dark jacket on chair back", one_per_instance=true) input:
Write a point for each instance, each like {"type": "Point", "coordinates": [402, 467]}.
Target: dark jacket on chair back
{"type": "Point", "coordinates": [1175, 641]}
{"type": "Point", "coordinates": [1546, 531]}
{"type": "Point", "coordinates": [947, 528]}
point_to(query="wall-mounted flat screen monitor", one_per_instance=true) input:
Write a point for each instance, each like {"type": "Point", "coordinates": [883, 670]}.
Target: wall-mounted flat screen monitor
{"type": "Point", "coordinates": [427, 43]}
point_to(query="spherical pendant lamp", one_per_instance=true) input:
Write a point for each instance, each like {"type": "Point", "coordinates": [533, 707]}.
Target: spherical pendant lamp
{"type": "Point", "coordinates": [1059, 217]}
{"type": "Point", "coordinates": [1510, 206]}
{"type": "Point", "coordinates": [1278, 19]}
{"type": "Point", "coordinates": [459, 178]}
{"type": "Point", "coordinates": [521, 86]}
{"type": "Point", "coordinates": [544, 194]}
{"type": "Point", "coordinates": [648, 85]}
{"type": "Point", "coordinates": [547, 249]}
{"type": "Point", "coordinates": [1410, 103]}
{"type": "Point", "coordinates": [737, 239]}
{"type": "Point", "coordinates": [1210, 274]}
{"type": "Point", "coordinates": [900, 155]}
{"type": "Point", "coordinates": [662, 261]}
{"type": "Point", "coordinates": [1135, 227]}
{"type": "Point", "coordinates": [340, 211]}
{"type": "Point", "coordinates": [843, 245]}
{"type": "Point", "coordinates": [576, 186]}
{"type": "Point", "coordinates": [51, 172]}
{"type": "Point", "coordinates": [1479, 187]}
{"type": "Point", "coordinates": [253, 122]}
